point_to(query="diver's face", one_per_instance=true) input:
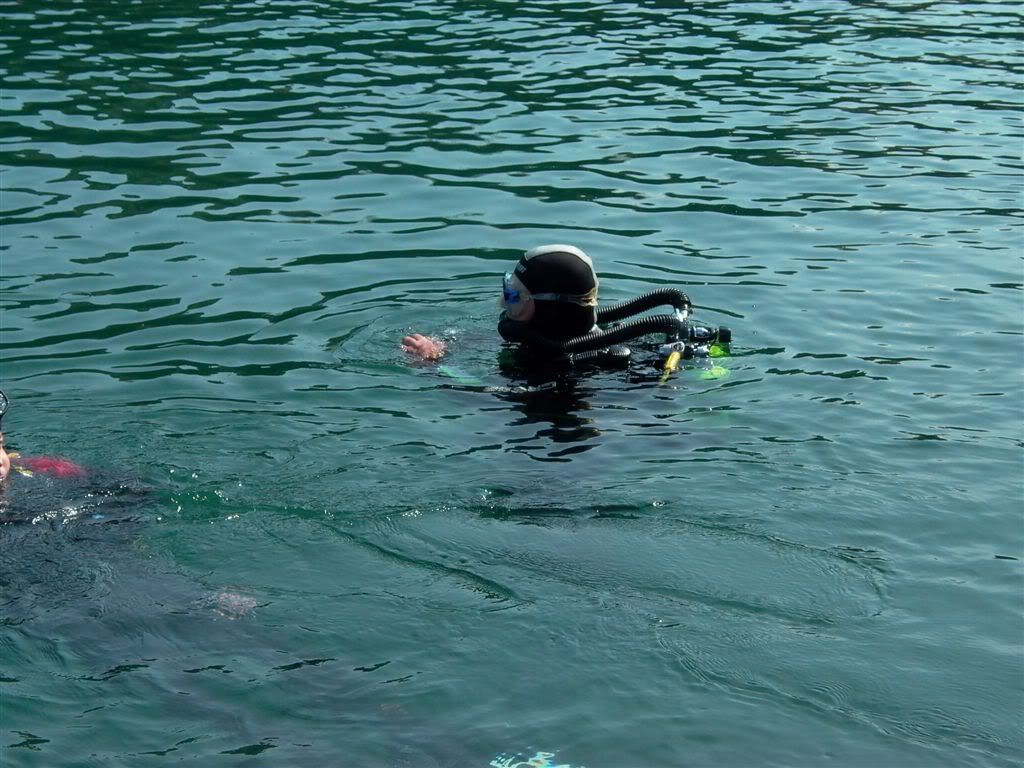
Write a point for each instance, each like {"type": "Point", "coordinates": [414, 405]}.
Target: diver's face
{"type": "Point", "coordinates": [521, 311]}
{"type": "Point", "coordinates": [516, 299]}
{"type": "Point", "coordinates": [5, 461]}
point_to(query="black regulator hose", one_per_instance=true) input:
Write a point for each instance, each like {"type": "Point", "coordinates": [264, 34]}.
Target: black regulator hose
{"type": "Point", "coordinates": [524, 333]}
{"type": "Point", "coordinates": [642, 303]}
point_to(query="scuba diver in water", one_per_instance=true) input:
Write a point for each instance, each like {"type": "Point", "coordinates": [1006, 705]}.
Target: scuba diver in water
{"type": "Point", "coordinates": [551, 313]}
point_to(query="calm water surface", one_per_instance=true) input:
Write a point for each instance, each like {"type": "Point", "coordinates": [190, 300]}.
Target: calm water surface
{"type": "Point", "coordinates": [220, 218]}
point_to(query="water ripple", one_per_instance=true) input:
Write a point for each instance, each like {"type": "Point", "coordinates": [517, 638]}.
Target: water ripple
{"type": "Point", "coordinates": [217, 222]}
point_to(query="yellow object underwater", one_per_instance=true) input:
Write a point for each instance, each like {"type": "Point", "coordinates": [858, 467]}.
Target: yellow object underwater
{"type": "Point", "coordinates": [15, 467]}
{"type": "Point", "coordinates": [671, 364]}
{"type": "Point", "coordinates": [716, 371]}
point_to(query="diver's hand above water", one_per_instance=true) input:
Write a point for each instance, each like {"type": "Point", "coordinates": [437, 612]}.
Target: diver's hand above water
{"type": "Point", "coordinates": [426, 347]}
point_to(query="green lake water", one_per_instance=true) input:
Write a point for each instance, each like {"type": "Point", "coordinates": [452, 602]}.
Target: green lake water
{"type": "Point", "coordinates": [295, 547]}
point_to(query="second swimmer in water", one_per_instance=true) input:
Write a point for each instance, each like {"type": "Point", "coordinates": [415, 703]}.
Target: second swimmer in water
{"type": "Point", "coordinates": [550, 311]}
{"type": "Point", "coordinates": [29, 465]}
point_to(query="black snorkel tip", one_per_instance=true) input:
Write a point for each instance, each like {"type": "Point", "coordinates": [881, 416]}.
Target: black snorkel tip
{"type": "Point", "coordinates": [4, 403]}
